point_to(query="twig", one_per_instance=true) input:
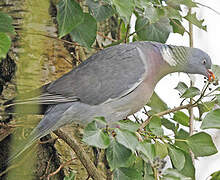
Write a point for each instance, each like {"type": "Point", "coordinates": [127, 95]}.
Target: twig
{"type": "Point", "coordinates": [47, 168]}
{"type": "Point", "coordinates": [51, 140]}
{"type": "Point", "coordinates": [106, 37]}
{"type": "Point", "coordinates": [126, 34]}
{"type": "Point", "coordinates": [119, 30]}
{"type": "Point", "coordinates": [145, 123]}
{"type": "Point", "coordinates": [190, 109]}
{"type": "Point", "coordinates": [208, 7]}
{"type": "Point", "coordinates": [82, 155]}
{"type": "Point", "coordinates": [59, 168]}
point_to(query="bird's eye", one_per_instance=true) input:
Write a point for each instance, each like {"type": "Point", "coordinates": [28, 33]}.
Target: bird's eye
{"type": "Point", "coordinates": [204, 62]}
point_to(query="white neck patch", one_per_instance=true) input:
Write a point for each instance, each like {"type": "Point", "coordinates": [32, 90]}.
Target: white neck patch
{"type": "Point", "coordinates": [168, 56]}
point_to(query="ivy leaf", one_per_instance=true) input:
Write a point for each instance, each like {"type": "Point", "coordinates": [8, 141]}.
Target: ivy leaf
{"type": "Point", "coordinates": [69, 15]}
{"type": "Point", "coordinates": [151, 13]}
{"type": "Point", "coordinates": [156, 104]}
{"type": "Point", "coordinates": [177, 26]}
{"type": "Point", "coordinates": [218, 98]}
{"type": "Point", "coordinates": [205, 107]}
{"type": "Point", "coordinates": [6, 23]}
{"type": "Point", "coordinates": [85, 33]}
{"type": "Point", "coordinates": [161, 150]}
{"type": "Point", "coordinates": [172, 13]}
{"type": "Point", "coordinates": [158, 31]}
{"type": "Point", "coordinates": [216, 70]}
{"type": "Point", "coordinates": [5, 44]}
{"type": "Point", "coordinates": [215, 175]}
{"type": "Point", "coordinates": [191, 92]}
{"type": "Point", "coordinates": [188, 169]}
{"type": "Point", "coordinates": [201, 144]}
{"type": "Point", "coordinates": [100, 120]}
{"type": "Point", "coordinates": [168, 124]}
{"type": "Point", "coordinates": [173, 174]}
{"type": "Point", "coordinates": [155, 126]}
{"type": "Point", "coordinates": [99, 10]}
{"type": "Point", "coordinates": [95, 137]}
{"type": "Point", "coordinates": [126, 138]}
{"type": "Point", "coordinates": [177, 157]}
{"type": "Point", "coordinates": [176, 3]}
{"type": "Point", "coordinates": [193, 19]}
{"type": "Point", "coordinates": [71, 176]}
{"type": "Point", "coordinates": [124, 9]}
{"type": "Point", "coordinates": [181, 118]}
{"type": "Point", "coordinates": [128, 125]}
{"type": "Point", "coordinates": [211, 120]}
{"type": "Point", "coordinates": [147, 149]}
{"type": "Point", "coordinates": [182, 135]}
{"type": "Point", "coordinates": [181, 87]}
{"type": "Point", "coordinates": [117, 155]}
{"type": "Point", "coordinates": [127, 174]}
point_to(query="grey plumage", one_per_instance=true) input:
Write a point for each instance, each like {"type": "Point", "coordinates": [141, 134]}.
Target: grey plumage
{"type": "Point", "coordinates": [113, 83]}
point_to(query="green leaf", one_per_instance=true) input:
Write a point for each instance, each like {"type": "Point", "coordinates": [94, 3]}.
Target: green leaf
{"type": "Point", "coordinates": [5, 44]}
{"type": "Point", "coordinates": [218, 98]}
{"type": "Point", "coordinates": [216, 70]}
{"type": "Point", "coordinates": [71, 176]}
{"type": "Point", "coordinates": [117, 155]}
{"type": "Point", "coordinates": [176, 3]}
{"type": "Point", "coordinates": [127, 174]}
{"type": "Point", "coordinates": [181, 87]}
{"type": "Point", "coordinates": [188, 169]}
{"type": "Point", "coordinates": [202, 144]}
{"type": "Point", "coordinates": [99, 10]}
{"type": "Point", "coordinates": [124, 9]}
{"type": "Point", "coordinates": [151, 13]}
{"type": "Point", "coordinates": [100, 120]}
{"type": "Point", "coordinates": [181, 135]}
{"type": "Point", "coordinates": [147, 149]}
{"type": "Point", "coordinates": [95, 137]}
{"type": "Point", "coordinates": [177, 157]}
{"type": "Point", "coordinates": [173, 13]}
{"type": "Point", "coordinates": [215, 175]}
{"type": "Point", "coordinates": [128, 125]}
{"type": "Point", "coordinates": [211, 120]}
{"type": "Point", "coordinates": [127, 138]}
{"type": "Point", "coordinates": [158, 31]}
{"type": "Point", "coordinates": [205, 107]}
{"type": "Point", "coordinates": [173, 174]}
{"type": "Point", "coordinates": [6, 23]}
{"type": "Point", "coordinates": [156, 104]}
{"type": "Point", "coordinates": [168, 124]}
{"type": "Point", "coordinates": [181, 118]}
{"type": "Point", "coordinates": [161, 150]}
{"type": "Point", "coordinates": [177, 26]}
{"type": "Point", "coordinates": [69, 15]}
{"type": "Point", "coordinates": [191, 92]}
{"type": "Point", "coordinates": [193, 19]}
{"type": "Point", "coordinates": [85, 33]}
{"type": "Point", "coordinates": [155, 126]}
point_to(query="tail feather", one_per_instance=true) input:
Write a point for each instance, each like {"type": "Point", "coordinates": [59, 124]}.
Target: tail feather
{"type": "Point", "coordinates": [22, 148]}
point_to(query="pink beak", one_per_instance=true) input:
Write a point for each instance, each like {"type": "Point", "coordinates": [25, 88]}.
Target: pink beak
{"type": "Point", "coordinates": [211, 76]}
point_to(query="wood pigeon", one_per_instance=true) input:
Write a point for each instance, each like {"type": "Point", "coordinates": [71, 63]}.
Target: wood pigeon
{"type": "Point", "coordinates": [114, 83]}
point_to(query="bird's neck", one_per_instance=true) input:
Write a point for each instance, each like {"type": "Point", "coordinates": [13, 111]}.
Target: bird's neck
{"type": "Point", "coordinates": [174, 56]}
{"type": "Point", "coordinates": [172, 59]}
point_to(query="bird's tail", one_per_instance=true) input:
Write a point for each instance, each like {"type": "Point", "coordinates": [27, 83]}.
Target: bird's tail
{"type": "Point", "coordinates": [21, 148]}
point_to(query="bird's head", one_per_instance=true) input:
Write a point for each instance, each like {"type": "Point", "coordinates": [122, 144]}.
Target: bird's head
{"type": "Point", "coordinates": [199, 62]}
